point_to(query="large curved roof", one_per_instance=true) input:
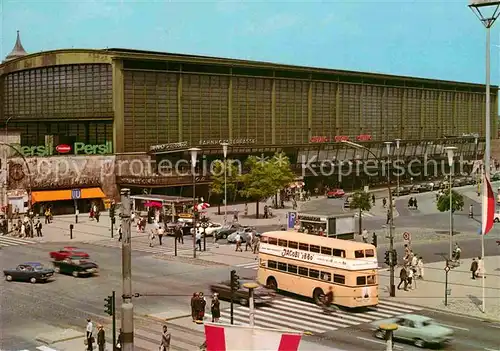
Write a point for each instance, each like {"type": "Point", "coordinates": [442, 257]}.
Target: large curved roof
{"type": "Point", "coordinates": [89, 56]}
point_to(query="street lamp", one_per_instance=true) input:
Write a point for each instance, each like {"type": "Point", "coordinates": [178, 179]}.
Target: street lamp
{"type": "Point", "coordinates": [392, 288]}
{"type": "Point", "coordinates": [398, 141]}
{"type": "Point", "coordinates": [194, 155]}
{"type": "Point", "coordinates": [224, 149]}
{"type": "Point", "coordinates": [450, 150]}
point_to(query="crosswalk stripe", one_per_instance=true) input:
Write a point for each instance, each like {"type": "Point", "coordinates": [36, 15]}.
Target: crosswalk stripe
{"type": "Point", "coordinates": [10, 241]}
{"type": "Point", "coordinates": [307, 316]}
{"type": "Point", "coordinates": [399, 305]}
{"type": "Point", "coordinates": [248, 265]}
{"type": "Point", "coordinates": [144, 246]}
{"type": "Point", "coordinates": [45, 348]}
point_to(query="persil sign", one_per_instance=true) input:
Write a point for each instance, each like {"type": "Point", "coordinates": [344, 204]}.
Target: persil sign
{"type": "Point", "coordinates": [324, 260]}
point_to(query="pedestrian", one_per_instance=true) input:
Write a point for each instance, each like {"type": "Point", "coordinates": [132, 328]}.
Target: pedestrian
{"type": "Point", "coordinates": [248, 241]}
{"type": "Point", "coordinates": [388, 217]}
{"type": "Point", "coordinates": [255, 244]}
{"type": "Point", "coordinates": [373, 199]}
{"type": "Point", "coordinates": [91, 213]}
{"type": "Point", "coordinates": [161, 232]}
{"type": "Point", "coordinates": [415, 203]}
{"type": "Point", "coordinates": [198, 238]}
{"type": "Point", "coordinates": [152, 237]}
{"type": "Point", "coordinates": [97, 216]}
{"type": "Point", "coordinates": [120, 233]}
{"type": "Point", "coordinates": [89, 337]}
{"type": "Point", "coordinates": [38, 227]}
{"type": "Point", "coordinates": [403, 275]}
{"type": "Point", "coordinates": [203, 304]}
{"type": "Point", "coordinates": [165, 339]}
{"type": "Point", "coordinates": [23, 230]}
{"type": "Point", "coordinates": [384, 202]}
{"type": "Point", "coordinates": [420, 268]}
{"type": "Point", "coordinates": [179, 234]}
{"type": "Point", "coordinates": [215, 308]}
{"type": "Point", "coordinates": [364, 235]}
{"type": "Point", "coordinates": [47, 215]}
{"type": "Point", "coordinates": [119, 340]}
{"type": "Point", "coordinates": [473, 268]}
{"type": "Point", "coordinates": [471, 211]}
{"type": "Point", "coordinates": [194, 302]}
{"type": "Point", "coordinates": [410, 202]}
{"type": "Point", "coordinates": [409, 278]}
{"type": "Point", "coordinates": [238, 242]}
{"type": "Point", "coordinates": [101, 338]}
{"type": "Point", "coordinates": [235, 216]}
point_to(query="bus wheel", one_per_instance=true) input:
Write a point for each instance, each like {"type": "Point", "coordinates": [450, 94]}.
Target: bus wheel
{"type": "Point", "coordinates": [272, 283]}
{"type": "Point", "coordinates": [317, 295]}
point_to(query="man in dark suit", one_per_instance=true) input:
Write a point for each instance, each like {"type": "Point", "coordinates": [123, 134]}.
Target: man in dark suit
{"type": "Point", "coordinates": [101, 338]}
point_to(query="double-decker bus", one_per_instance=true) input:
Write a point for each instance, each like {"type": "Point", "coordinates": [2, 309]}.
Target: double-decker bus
{"type": "Point", "coordinates": [308, 265]}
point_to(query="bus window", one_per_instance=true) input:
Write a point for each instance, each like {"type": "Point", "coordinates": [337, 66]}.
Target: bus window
{"type": "Point", "coordinates": [314, 248]}
{"type": "Point", "coordinates": [313, 273]}
{"type": "Point", "coordinates": [273, 241]}
{"type": "Point", "coordinates": [303, 247]}
{"type": "Point", "coordinates": [272, 264]}
{"type": "Point", "coordinates": [339, 253]}
{"type": "Point", "coordinates": [326, 251]}
{"type": "Point", "coordinates": [292, 269]}
{"type": "Point", "coordinates": [293, 245]}
{"type": "Point", "coordinates": [263, 239]}
{"type": "Point", "coordinates": [339, 279]}
{"type": "Point", "coordinates": [282, 242]}
{"type": "Point", "coordinates": [326, 276]}
{"type": "Point", "coordinates": [369, 253]}
{"type": "Point", "coordinates": [361, 280]}
{"type": "Point", "coordinates": [359, 254]}
{"type": "Point", "coordinates": [370, 279]}
{"type": "Point", "coordinates": [282, 266]}
{"type": "Point", "coordinates": [303, 271]}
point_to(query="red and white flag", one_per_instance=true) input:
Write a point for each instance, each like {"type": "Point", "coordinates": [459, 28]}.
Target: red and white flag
{"type": "Point", "coordinates": [488, 206]}
{"type": "Point", "coordinates": [225, 337]}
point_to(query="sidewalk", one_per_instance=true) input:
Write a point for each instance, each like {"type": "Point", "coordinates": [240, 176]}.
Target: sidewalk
{"type": "Point", "coordinates": [465, 295]}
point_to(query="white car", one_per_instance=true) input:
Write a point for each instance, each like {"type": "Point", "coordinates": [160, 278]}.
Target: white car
{"type": "Point", "coordinates": [496, 218]}
{"type": "Point", "coordinates": [211, 229]}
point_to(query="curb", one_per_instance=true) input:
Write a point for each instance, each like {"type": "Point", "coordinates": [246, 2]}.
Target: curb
{"type": "Point", "coordinates": [165, 319]}
{"type": "Point", "coordinates": [458, 314]}
{"type": "Point", "coordinates": [51, 342]}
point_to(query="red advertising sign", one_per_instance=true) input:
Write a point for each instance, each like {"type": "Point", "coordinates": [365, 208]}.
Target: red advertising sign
{"type": "Point", "coordinates": [63, 148]}
{"type": "Point", "coordinates": [320, 139]}
{"type": "Point", "coordinates": [364, 137]}
{"type": "Point", "coordinates": [339, 138]}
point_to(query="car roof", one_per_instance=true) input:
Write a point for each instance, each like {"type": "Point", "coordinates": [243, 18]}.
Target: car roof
{"type": "Point", "coordinates": [416, 317]}
{"type": "Point", "coordinates": [69, 248]}
{"type": "Point", "coordinates": [32, 264]}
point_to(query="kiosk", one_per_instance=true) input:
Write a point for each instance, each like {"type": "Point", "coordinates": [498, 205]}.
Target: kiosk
{"type": "Point", "coordinates": [339, 226]}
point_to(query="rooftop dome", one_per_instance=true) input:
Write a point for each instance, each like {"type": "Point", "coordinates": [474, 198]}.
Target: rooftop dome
{"type": "Point", "coordinates": [18, 50]}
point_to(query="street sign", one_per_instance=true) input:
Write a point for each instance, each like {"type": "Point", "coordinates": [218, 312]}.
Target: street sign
{"type": "Point", "coordinates": [407, 236]}
{"type": "Point", "coordinates": [292, 216]}
{"type": "Point", "coordinates": [447, 269]}
{"type": "Point", "coordinates": [76, 194]}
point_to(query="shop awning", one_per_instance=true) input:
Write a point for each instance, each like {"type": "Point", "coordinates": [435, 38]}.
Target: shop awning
{"type": "Point", "coordinates": [67, 194]}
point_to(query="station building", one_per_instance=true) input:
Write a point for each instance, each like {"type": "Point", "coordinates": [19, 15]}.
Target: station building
{"type": "Point", "coordinates": [96, 110]}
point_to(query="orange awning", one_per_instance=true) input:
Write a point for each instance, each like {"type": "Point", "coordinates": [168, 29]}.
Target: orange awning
{"type": "Point", "coordinates": [58, 195]}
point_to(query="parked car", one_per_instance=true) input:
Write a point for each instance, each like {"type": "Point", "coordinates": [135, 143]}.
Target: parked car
{"type": "Point", "coordinates": [427, 186]}
{"type": "Point", "coordinates": [335, 194]}
{"type": "Point", "coordinates": [262, 295]}
{"type": "Point", "coordinates": [496, 217]}
{"type": "Point", "coordinates": [32, 272]}
{"type": "Point", "coordinates": [227, 230]}
{"type": "Point", "coordinates": [76, 266]}
{"type": "Point", "coordinates": [417, 188]}
{"type": "Point", "coordinates": [68, 251]}
{"type": "Point", "coordinates": [419, 330]}
{"type": "Point", "coordinates": [402, 190]}
{"type": "Point", "coordinates": [212, 228]}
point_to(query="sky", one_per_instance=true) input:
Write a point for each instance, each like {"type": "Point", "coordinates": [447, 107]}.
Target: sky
{"type": "Point", "coordinates": [431, 39]}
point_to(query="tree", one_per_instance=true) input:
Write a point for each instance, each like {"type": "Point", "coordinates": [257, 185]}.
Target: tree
{"type": "Point", "coordinates": [265, 177]}
{"type": "Point", "coordinates": [217, 186]}
{"type": "Point", "coordinates": [443, 203]}
{"type": "Point", "coordinates": [361, 201]}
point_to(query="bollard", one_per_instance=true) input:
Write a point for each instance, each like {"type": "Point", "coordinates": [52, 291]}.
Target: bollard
{"type": "Point", "coordinates": [389, 330]}
{"type": "Point", "coordinates": [71, 231]}
{"type": "Point", "coordinates": [251, 306]}
{"type": "Point", "coordinates": [175, 245]}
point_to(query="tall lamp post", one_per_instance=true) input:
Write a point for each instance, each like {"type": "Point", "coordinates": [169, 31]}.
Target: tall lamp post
{"type": "Point", "coordinates": [194, 154]}
{"type": "Point", "coordinates": [488, 20]}
{"type": "Point", "coordinates": [398, 141]}
{"type": "Point", "coordinates": [450, 151]}
{"type": "Point", "coordinates": [392, 288]}
{"type": "Point", "coordinates": [224, 150]}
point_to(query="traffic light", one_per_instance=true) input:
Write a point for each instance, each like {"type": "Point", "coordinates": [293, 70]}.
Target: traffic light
{"type": "Point", "coordinates": [394, 257]}
{"type": "Point", "coordinates": [234, 281]}
{"type": "Point", "coordinates": [374, 240]}
{"type": "Point", "coordinates": [387, 258]}
{"type": "Point", "coordinates": [391, 258]}
{"type": "Point", "coordinates": [108, 306]}
{"type": "Point", "coordinates": [112, 211]}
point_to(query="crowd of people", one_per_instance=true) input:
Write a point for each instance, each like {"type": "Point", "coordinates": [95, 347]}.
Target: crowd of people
{"type": "Point", "coordinates": [199, 304]}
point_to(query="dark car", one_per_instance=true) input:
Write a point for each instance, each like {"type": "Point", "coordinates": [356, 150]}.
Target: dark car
{"type": "Point", "coordinates": [227, 230]}
{"type": "Point", "coordinates": [402, 190]}
{"type": "Point", "coordinates": [421, 188]}
{"type": "Point", "coordinates": [262, 295]}
{"type": "Point", "coordinates": [76, 266]}
{"type": "Point", "coordinates": [29, 272]}
{"type": "Point", "coordinates": [427, 186]}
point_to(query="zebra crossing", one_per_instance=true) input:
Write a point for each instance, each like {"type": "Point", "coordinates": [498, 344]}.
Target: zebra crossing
{"type": "Point", "coordinates": [142, 245]}
{"type": "Point", "coordinates": [363, 215]}
{"type": "Point", "coordinates": [11, 241]}
{"type": "Point", "coordinates": [41, 348]}
{"type": "Point", "coordinates": [249, 265]}
{"type": "Point", "coordinates": [305, 316]}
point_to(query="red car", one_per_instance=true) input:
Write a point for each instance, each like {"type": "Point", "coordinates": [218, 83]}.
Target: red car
{"type": "Point", "coordinates": [335, 194]}
{"type": "Point", "coordinates": [66, 252]}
